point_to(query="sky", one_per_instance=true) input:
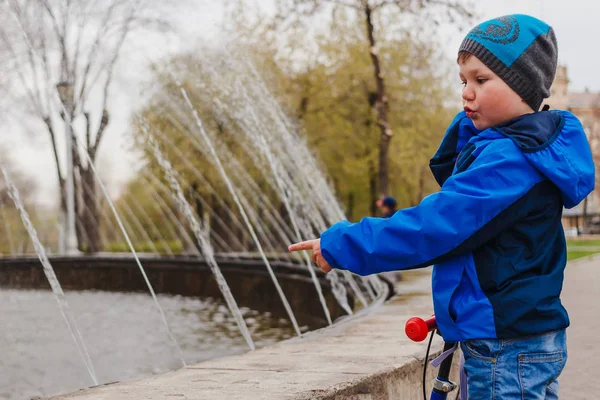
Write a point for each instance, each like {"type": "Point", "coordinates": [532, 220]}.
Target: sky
{"type": "Point", "coordinates": [575, 22]}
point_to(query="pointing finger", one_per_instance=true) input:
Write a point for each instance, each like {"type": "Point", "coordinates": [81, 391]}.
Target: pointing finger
{"type": "Point", "coordinates": [306, 245]}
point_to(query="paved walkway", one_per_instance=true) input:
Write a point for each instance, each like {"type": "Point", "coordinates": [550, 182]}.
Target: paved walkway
{"type": "Point", "coordinates": [581, 297]}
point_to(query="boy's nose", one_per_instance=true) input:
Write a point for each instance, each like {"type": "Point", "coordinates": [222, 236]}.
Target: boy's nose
{"type": "Point", "coordinates": [468, 93]}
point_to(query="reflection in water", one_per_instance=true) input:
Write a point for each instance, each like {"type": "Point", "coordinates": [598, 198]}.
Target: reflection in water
{"type": "Point", "coordinates": [124, 335]}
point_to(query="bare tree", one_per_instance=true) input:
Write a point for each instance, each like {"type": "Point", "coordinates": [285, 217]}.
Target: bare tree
{"type": "Point", "coordinates": [74, 44]}
{"type": "Point", "coordinates": [292, 12]}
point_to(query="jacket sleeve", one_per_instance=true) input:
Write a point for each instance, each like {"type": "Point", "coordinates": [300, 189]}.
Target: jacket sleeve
{"type": "Point", "coordinates": [458, 134]}
{"type": "Point", "coordinates": [470, 209]}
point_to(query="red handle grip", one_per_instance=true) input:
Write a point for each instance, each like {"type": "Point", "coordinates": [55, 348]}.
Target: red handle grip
{"type": "Point", "coordinates": [417, 329]}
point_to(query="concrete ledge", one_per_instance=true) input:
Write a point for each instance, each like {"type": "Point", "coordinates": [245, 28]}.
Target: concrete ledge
{"type": "Point", "coordinates": [360, 358]}
{"type": "Point", "coordinates": [400, 383]}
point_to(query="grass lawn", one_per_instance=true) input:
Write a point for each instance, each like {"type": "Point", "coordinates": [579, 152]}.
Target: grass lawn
{"type": "Point", "coordinates": [571, 255]}
{"type": "Point", "coordinates": [588, 243]}
{"type": "Point", "coordinates": [574, 245]}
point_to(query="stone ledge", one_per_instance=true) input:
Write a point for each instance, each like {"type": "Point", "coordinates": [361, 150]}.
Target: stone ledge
{"type": "Point", "coordinates": [358, 358]}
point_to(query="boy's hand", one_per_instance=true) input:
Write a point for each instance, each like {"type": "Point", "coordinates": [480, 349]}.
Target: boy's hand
{"type": "Point", "coordinates": [314, 246]}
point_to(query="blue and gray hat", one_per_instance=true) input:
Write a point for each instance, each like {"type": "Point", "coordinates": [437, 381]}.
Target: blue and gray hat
{"type": "Point", "coordinates": [521, 50]}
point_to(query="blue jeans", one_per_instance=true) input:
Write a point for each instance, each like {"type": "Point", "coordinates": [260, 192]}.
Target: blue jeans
{"type": "Point", "coordinates": [523, 368]}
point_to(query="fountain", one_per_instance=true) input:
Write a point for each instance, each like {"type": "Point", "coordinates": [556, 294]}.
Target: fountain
{"type": "Point", "coordinates": [233, 252]}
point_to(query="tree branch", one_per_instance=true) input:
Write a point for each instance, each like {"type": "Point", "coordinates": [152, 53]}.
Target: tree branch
{"type": "Point", "coordinates": [384, 3]}
{"type": "Point", "coordinates": [82, 23]}
{"type": "Point", "coordinates": [416, 5]}
{"type": "Point", "coordinates": [60, 37]}
{"type": "Point", "coordinates": [33, 66]}
{"type": "Point", "coordinates": [105, 115]}
{"type": "Point", "coordinates": [103, 124]}
{"type": "Point", "coordinates": [75, 148]}
{"type": "Point", "coordinates": [345, 4]}
{"type": "Point", "coordinates": [48, 123]}
{"type": "Point", "coordinates": [93, 53]}
{"type": "Point", "coordinates": [24, 24]}
{"type": "Point", "coordinates": [29, 94]}
{"type": "Point", "coordinates": [45, 64]}
{"type": "Point", "coordinates": [88, 132]}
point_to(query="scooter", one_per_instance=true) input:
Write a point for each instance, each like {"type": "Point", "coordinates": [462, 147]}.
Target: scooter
{"type": "Point", "coordinates": [417, 330]}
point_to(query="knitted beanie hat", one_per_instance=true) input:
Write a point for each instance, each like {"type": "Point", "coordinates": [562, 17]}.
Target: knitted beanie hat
{"type": "Point", "coordinates": [521, 50]}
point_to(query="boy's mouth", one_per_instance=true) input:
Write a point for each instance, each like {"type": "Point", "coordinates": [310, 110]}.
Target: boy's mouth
{"type": "Point", "coordinates": [469, 112]}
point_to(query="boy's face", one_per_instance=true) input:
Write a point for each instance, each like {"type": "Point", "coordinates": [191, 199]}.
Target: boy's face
{"type": "Point", "coordinates": [487, 99]}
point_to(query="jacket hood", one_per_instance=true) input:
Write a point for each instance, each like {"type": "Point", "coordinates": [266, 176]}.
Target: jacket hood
{"type": "Point", "coordinates": [556, 144]}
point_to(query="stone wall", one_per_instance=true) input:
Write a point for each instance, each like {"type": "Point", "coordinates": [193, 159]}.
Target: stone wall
{"type": "Point", "coordinates": [248, 280]}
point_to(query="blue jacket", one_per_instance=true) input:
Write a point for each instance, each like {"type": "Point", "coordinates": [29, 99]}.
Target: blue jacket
{"type": "Point", "coordinates": [493, 230]}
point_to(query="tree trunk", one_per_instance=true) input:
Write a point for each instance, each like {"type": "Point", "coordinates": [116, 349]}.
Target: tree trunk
{"type": "Point", "coordinates": [214, 227]}
{"type": "Point", "coordinates": [63, 213]}
{"type": "Point", "coordinates": [90, 214]}
{"type": "Point", "coordinates": [350, 212]}
{"type": "Point", "coordinates": [421, 191]}
{"type": "Point", "coordinates": [198, 203]}
{"type": "Point", "coordinates": [381, 106]}
{"type": "Point", "coordinates": [373, 189]}
{"type": "Point", "coordinates": [227, 221]}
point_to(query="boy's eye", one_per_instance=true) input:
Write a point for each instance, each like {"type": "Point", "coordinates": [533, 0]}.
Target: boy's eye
{"type": "Point", "coordinates": [464, 83]}
{"type": "Point", "coordinates": [481, 80]}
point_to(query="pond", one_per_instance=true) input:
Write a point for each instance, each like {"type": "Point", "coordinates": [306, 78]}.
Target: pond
{"type": "Point", "coordinates": [124, 334]}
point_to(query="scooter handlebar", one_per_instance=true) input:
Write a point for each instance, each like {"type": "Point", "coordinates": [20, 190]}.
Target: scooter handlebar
{"type": "Point", "coordinates": [417, 328]}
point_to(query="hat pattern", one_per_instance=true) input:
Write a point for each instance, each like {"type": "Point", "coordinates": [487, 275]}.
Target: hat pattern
{"type": "Point", "coordinates": [502, 30]}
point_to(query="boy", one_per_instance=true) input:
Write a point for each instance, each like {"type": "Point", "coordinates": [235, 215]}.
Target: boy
{"type": "Point", "coordinates": [494, 229]}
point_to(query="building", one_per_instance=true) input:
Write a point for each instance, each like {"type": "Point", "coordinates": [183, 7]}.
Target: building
{"type": "Point", "coordinates": [586, 106]}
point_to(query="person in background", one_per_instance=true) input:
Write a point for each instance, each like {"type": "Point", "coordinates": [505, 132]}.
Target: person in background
{"type": "Point", "coordinates": [387, 206]}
